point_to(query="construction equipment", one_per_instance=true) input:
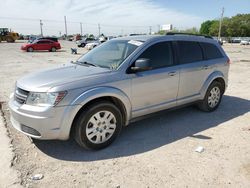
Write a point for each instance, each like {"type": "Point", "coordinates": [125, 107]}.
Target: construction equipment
{"type": "Point", "coordinates": [9, 36]}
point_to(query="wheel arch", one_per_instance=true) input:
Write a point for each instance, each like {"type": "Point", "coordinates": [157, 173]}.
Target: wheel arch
{"type": "Point", "coordinates": [113, 95]}
{"type": "Point", "coordinates": [215, 76]}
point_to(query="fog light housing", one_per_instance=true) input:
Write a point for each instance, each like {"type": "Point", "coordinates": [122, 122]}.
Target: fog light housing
{"type": "Point", "coordinates": [30, 130]}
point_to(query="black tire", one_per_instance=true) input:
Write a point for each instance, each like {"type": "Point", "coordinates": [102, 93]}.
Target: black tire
{"type": "Point", "coordinates": [204, 104]}
{"type": "Point", "coordinates": [82, 122]}
{"type": "Point", "coordinates": [30, 49]}
{"type": "Point", "coordinates": [53, 49]}
{"type": "Point", "coordinates": [83, 45]}
{"type": "Point", "coordinates": [10, 40]}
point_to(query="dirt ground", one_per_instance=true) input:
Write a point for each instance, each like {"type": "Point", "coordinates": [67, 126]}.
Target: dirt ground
{"type": "Point", "coordinates": [155, 152]}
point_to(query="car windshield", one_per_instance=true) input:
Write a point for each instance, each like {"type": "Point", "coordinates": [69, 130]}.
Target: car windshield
{"type": "Point", "coordinates": [110, 54]}
{"type": "Point", "coordinates": [34, 41]}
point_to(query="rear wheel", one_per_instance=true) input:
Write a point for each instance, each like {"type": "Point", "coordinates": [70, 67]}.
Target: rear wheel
{"type": "Point", "coordinates": [98, 125]}
{"type": "Point", "coordinates": [53, 49]}
{"type": "Point", "coordinates": [212, 98]}
{"type": "Point", "coordinates": [30, 49]}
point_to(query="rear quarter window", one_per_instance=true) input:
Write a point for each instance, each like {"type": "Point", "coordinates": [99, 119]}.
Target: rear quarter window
{"type": "Point", "coordinates": [211, 51]}
{"type": "Point", "coordinates": [189, 52]}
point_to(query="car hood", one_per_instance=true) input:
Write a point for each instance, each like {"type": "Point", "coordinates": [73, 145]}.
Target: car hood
{"type": "Point", "coordinates": [25, 45]}
{"type": "Point", "coordinates": [44, 80]}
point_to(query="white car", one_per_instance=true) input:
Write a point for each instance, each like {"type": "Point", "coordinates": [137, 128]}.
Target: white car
{"type": "Point", "coordinates": [92, 45]}
{"type": "Point", "coordinates": [244, 42]}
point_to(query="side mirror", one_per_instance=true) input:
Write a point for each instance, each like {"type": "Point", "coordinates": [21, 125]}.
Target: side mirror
{"type": "Point", "coordinates": [141, 64]}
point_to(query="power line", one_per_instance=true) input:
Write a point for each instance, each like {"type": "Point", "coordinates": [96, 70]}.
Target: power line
{"type": "Point", "coordinates": [76, 22]}
{"type": "Point", "coordinates": [87, 25]}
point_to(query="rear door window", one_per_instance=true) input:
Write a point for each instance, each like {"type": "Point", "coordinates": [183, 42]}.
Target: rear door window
{"type": "Point", "coordinates": [211, 51]}
{"type": "Point", "coordinates": [189, 52]}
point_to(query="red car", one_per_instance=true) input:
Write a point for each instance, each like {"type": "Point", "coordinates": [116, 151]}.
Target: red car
{"type": "Point", "coordinates": [43, 44]}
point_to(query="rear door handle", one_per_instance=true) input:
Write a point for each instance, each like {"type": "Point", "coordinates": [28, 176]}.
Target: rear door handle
{"type": "Point", "coordinates": [172, 73]}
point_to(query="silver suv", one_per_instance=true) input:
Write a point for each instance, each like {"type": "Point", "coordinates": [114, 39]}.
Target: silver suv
{"type": "Point", "coordinates": [122, 79]}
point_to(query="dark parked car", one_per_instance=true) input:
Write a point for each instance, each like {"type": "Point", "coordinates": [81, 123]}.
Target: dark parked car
{"type": "Point", "coordinates": [41, 44]}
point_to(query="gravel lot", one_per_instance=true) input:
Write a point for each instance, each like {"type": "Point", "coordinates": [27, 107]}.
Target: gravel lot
{"type": "Point", "coordinates": [155, 152]}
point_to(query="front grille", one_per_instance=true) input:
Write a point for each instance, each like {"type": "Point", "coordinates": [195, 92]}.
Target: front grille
{"type": "Point", "coordinates": [21, 95]}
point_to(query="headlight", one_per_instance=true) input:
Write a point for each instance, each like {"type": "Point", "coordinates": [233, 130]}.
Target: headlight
{"type": "Point", "coordinates": [45, 99]}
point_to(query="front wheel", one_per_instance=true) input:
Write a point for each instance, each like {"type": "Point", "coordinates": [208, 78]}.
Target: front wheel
{"type": "Point", "coordinates": [212, 98]}
{"type": "Point", "coordinates": [30, 49]}
{"type": "Point", "coordinates": [98, 125]}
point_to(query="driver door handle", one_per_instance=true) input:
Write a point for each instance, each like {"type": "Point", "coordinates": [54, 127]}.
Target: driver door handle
{"type": "Point", "coordinates": [206, 67]}
{"type": "Point", "coordinates": [172, 73]}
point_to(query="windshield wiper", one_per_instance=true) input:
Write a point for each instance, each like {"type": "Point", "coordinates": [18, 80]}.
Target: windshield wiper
{"type": "Point", "coordinates": [87, 63]}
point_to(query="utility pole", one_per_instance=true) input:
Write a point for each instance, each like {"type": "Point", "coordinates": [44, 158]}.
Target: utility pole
{"type": "Point", "coordinates": [41, 27]}
{"type": "Point", "coordinates": [221, 18]}
{"type": "Point", "coordinates": [159, 28]}
{"type": "Point", "coordinates": [65, 23]}
{"type": "Point", "coordinates": [99, 29]}
{"type": "Point", "coordinates": [150, 29]}
{"type": "Point", "coordinates": [81, 28]}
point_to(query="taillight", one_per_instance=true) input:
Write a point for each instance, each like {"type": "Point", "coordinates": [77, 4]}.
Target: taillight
{"type": "Point", "coordinates": [229, 62]}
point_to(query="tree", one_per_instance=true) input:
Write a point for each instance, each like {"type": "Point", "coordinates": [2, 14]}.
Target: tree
{"type": "Point", "coordinates": [214, 28]}
{"type": "Point", "coordinates": [236, 26]}
{"type": "Point", "coordinates": [239, 25]}
{"type": "Point", "coordinates": [205, 27]}
{"type": "Point", "coordinates": [161, 32]}
{"type": "Point", "coordinates": [192, 30]}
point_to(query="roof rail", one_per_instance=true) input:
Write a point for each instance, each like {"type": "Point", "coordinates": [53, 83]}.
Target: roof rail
{"type": "Point", "coordinates": [199, 35]}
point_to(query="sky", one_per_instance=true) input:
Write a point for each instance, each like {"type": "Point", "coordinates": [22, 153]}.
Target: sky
{"type": "Point", "coordinates": [116, 17]}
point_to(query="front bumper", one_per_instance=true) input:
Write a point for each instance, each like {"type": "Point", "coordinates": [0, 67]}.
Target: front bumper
{"type": "Point", "coordinates": [23, 48]}
{"type": "Point", "coordinates": [45, 123]}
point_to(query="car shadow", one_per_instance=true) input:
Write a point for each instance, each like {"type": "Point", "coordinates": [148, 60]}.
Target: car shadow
{"type": "Point", "coordinates": [45, 51]}
{"type": "Point", "coordinates": [151, 133]}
